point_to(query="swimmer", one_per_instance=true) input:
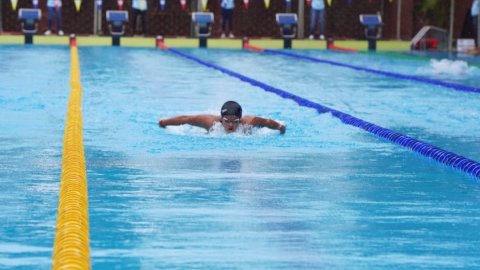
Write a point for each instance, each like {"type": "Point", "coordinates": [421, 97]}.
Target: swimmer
{"type": "Point", "coordinates": [230, 118]}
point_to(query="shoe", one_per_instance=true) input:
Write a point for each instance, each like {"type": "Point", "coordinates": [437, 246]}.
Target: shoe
{"type": "Point", "coordinates": [322, 37]}
{"type": "Point", "coordinates": [311, 37]}
{"type": "Point", "coordinates": [223, 35]}
{"type": "Point", "coordinates": [231, 35]}
{"type": "Point", "coordinates": [60, 33]}
{"type": "Point", "coordinates": [47, 33]}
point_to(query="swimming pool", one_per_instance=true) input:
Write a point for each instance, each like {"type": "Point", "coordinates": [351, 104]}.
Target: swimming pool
{"type": "Point", "coordinates": [323, 196]}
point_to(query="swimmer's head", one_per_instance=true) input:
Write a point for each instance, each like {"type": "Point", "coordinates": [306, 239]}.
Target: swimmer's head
{"type": "Point", "coordinates": [231, 113]}
{"type": "Point", "coordinates": [231, 108]}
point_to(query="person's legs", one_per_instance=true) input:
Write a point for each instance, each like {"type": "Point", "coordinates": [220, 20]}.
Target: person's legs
{"type": "Point", "coordinates": [135, 13]}
{"type": "Point", "coordinates": [313, 20]}
{"type": "Point", "coordinates": [51, 14]}
{"type": "Point", "coordinates": [229, 16]}
{"type": "Point", "coordinates": [224, 21]}
{"type": "Point", "coordinates": [59, 20]}
{"type": "Point", "coordinates": [475, 29]}
{"type": "Point", "coordinates": [321, 24]}
{"type": "Point", "coordinates": [144, 22]}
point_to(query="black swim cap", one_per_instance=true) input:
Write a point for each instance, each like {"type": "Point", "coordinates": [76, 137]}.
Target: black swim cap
{"type": "Point", "coordinates": [231, 108]}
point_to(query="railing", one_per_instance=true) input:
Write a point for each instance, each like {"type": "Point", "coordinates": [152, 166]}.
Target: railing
{"type": "Point", "coordinates": [421, 40]}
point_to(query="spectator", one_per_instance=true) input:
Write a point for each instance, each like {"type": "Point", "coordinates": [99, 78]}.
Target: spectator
{"type": "Point", "coordinates": [317, 18]}
{"type": "Point", "coordinates": [227, 17]}
{"type": "Point", "coordinates": [139, 7]}
{"type": "Point", "coordinates": [474, 12]}
{"type": "Point", "coordinates": [54, 13]}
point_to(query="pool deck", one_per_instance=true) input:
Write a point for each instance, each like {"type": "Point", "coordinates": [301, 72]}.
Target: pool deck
{"type": "Point", "coordinates": [184, 42]}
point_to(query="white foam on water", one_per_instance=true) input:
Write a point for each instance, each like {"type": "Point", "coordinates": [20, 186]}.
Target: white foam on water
{"type": "Point", "coordinates": [218, 131]}
{"type": "Point", "coordinates": [447, 67]}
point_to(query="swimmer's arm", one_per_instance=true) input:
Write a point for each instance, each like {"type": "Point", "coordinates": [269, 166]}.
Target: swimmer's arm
{"type": "Point", "coordinates": [269, 123]}
{"type": "Point", "coordinates": [205, 121]}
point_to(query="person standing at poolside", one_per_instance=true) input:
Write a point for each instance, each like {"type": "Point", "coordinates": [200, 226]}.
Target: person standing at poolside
{"type": "Point", "coordinates": [139, 8]}
{"type": "Point", "coordinates": [317, 18]}
{"type": "Point", "coordinates": [227, 17]}
{"type": "Point", "coordinates": [54, 8]}
{"type": "Point", "coordinates": [474, 13]}
{"type": "Point", "coordinates": [230, 118]}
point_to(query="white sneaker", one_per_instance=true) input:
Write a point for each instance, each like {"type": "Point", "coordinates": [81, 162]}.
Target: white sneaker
{"type": "Point", "coordinates": [223, 35]}
{"type": "Point", "coordinates": [231, 35]}
{"type": "Point", "coordinates": [311, 37]}
{"type": "Point", "coordinates": [60, 33]}
{"type": "Point", "coordinates": [48, 32]}
{"type": "Point", "coordinates": [322, 37]}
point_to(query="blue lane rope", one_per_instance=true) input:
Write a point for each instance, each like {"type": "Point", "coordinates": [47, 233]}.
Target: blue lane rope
{"type": "Point", "coordinates": [454, 86]}
{"type": "Point", "coordinates": [448, 158]}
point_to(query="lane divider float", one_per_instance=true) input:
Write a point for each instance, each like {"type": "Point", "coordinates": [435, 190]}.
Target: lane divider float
{"type": "Point", "coordinates": [71, 247]}
{"type": "Point", "coordinates": [246, 45]}
{"type": "Point", "coordinates": [160, 43]}
{"type": "Point", "coordinates": [333, 47]}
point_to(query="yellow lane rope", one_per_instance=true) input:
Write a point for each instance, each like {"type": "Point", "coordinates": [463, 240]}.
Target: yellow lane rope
{"type": "Point", "coordinates": [71, 248]}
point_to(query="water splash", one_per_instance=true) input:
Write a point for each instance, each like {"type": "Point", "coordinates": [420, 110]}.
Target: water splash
{"type": "Point", "coordinates": [218, 131]}
{"type": "Point", "coordinates": [449, 67]}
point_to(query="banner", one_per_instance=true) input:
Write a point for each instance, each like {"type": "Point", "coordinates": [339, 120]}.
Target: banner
{"type": "Point", "coordinates": [14, 4]}
{"type": "Point", "coordinates": [78, 4]}
{"type": "Point", "coordinates": [267, 3]}
{"type": "Point", "coordinates": [204, 4]}
{"type": "Point", "coordinates": [183, 3]}
{"type": "Point", "coordinates": [288, 4]}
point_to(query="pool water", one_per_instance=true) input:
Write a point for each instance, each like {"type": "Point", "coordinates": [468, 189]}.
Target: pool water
{"type": "Point", "coordinates": [423, 111]}
{"type": "Point", "coordinates": [322, 196]}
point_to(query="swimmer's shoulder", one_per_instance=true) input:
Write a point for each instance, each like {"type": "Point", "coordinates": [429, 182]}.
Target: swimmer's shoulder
{"type": "Point", "coordinates": [204, 120]}
{"type": "Point", "coordinates": [214, 118]}
{"type": "Point", "coordinates": [247, 119]}
{"type": "Point", "coordinates": [208, 117]}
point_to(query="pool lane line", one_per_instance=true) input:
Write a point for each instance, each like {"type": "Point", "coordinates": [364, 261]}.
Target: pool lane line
{"type": "Point", "coordinates": [453, 86]}
{"type": "Point", "coordinates": [451, 159]}
{"type": "Point", "coordinates": [71, 246]}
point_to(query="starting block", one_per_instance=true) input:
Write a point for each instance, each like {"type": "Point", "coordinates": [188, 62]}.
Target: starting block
{"type": "Point", "coordinates": [288, 27]}
{"type": "Point", "coordinates": [373, 28]}
{"type": "Point", "coordinates": [117, 19]}
{"type": "Point", "coordinates": [29, 18]}
{"type": "Point", "coordinates": [203, 26]}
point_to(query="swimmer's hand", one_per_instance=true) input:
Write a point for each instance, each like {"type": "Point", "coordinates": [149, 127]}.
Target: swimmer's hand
{"type": "Point", "coordinates": [161, 124]}
{"type": "Point", "coordinates": [282, 129]}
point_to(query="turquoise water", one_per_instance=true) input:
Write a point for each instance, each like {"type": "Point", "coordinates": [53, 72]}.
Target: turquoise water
{"type": "Point", "coordinates": [322, 196]}
{"type": "Point", "coordinates": [440, 116]}
{"type": "Point", "coordinates": [472, 59]}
